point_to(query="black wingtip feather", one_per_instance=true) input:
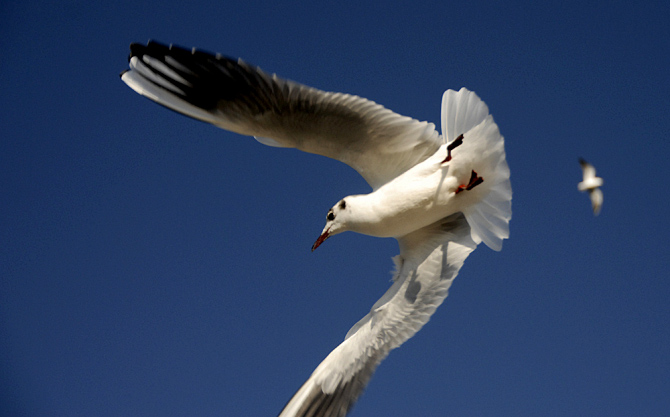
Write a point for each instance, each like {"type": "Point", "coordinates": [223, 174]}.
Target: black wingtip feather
{"type": "Point", "coordinates": [210, 78]}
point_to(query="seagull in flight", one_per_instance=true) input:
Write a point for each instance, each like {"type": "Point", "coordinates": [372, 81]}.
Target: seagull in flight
{"type": "Point", "coordinates": [438, 195]}
{"type": "Point", "coordinates": [591, 183]}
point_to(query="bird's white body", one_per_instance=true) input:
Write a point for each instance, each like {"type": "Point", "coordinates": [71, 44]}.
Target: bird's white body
{"type": "Point", "coordinates": [592, 184]}
{"type": "Point", "coordinates": [426, 193]}
{"type": "Point", "coordinates": [438, 195]}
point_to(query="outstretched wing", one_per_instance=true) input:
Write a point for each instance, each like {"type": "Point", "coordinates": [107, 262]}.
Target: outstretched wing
{"type": "Point", "coordinates": [596, 196]}
{"type": "Point", "coordinates": [429, 260]}
{"type": "Point", "coordinates": [236, 96]}
{"type": "Point", "coordinates": [588, 171]}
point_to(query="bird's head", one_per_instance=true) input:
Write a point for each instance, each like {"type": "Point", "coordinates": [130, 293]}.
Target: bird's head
{"type": "Point", "coordinates": [336, 222]}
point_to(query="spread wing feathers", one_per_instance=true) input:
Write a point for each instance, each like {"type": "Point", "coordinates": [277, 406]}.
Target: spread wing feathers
{"type": "Point", "coordinates": [463, 112]}
{"type": "Point", "coordinates": [236, 96]}
{"type": "Point", "coordinates": [429, 260]}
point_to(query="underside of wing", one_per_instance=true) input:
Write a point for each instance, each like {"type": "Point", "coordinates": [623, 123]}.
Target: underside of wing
{"type": "Point", "coordinates": [429, 260]}
{"type": "Point", "coordinates": [588, 171]}
{"type": "Point", "coordinates": [596, 196]}
{"type": "Point", "coordinates": [236, 96]}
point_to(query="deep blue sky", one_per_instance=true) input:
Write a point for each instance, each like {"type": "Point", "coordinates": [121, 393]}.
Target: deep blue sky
{"type": "Point", "coordinates": [152, 265]}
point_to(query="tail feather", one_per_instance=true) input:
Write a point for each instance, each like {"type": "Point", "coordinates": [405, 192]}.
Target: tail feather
{"type": "Point", "coordinates": [463, 112]}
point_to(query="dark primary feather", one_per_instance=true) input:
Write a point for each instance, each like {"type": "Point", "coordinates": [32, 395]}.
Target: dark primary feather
{"type": "Point", "coordinates": [214, 81]}
{"type": "Point", "coordinates": [340, 402]}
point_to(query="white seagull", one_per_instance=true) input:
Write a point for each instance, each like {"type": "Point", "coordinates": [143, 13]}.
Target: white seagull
{"type": "Point", "coordinates": [591, 183]}
{"type": "Point", "coordinates": [439, 196]}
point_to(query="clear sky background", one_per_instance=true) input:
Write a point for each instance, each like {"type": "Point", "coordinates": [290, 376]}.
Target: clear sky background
{"type": "Point", "coordinates": [153, 265]}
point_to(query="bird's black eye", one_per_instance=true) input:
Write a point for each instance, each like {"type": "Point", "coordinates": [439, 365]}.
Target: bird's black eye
{"type": "Point", "coordinates": [343, 205]}
{"type": "Point", "coordinates": [330, 216]}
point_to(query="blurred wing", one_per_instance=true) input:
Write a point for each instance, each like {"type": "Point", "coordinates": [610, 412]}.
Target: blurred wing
{"type": "Point", "coordinates": [588, 171]}
{"type": "Point", "coordinates": [236, 96]}
{"type": "Point", "coordinates": [429, 260]}
{"type": "Point", "coordinates": [596, 200]}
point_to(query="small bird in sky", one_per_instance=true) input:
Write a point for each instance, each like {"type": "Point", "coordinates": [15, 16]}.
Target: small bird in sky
{"type": "Point", "coordinates": [591, 183]}
{"type": "Point", "coordinates": [438, 195]}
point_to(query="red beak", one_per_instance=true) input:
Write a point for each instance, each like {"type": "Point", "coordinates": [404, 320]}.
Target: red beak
{"type": "Point", "coordinates": [325, 235]}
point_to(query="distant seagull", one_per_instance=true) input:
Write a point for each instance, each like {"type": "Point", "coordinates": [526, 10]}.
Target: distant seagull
{"type": "Point", "coordinates": [591, 183]}
{"type": "Point", "coordinates": [439, 196]}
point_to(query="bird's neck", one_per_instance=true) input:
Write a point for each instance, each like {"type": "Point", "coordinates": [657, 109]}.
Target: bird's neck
{"type": "Point", "coordinates": [364, 216]}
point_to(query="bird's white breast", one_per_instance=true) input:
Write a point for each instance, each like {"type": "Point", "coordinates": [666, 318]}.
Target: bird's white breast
{"type": "Point", "coordinates": [421, 196]}
{"type": "Point", "coordinates": [590, 183]}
